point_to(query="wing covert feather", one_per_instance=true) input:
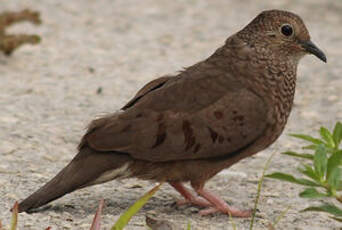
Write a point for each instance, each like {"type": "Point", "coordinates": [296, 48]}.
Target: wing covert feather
{"type": "Point", "coordinates": [227, 118]}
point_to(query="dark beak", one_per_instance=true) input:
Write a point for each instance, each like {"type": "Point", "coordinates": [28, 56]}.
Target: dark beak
{"type": "Point", "coordinates": [313, 49]}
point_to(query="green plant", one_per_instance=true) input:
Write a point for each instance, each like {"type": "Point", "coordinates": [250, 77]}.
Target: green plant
{"type": "Point", "coordinates": [256, 202]}
{"type": "Point", "coordinates": [257, 198]}
{"type": "Point", "coordinates": [132, 210]}
{"type": "Point", "coordinates": [321, 170]}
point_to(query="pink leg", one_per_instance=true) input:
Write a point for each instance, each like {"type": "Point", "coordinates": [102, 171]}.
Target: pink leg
{"type": "Point", "coordinates": [219, 205]}
{"type": "Point", "coordinates": [189, 197]}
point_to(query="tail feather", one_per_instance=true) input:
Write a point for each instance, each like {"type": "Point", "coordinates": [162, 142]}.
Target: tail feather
{"type": "Point", "coordinates": [82, 171]}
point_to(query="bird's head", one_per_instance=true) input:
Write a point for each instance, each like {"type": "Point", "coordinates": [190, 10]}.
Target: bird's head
{"type": "Point", "coordinates": [283, 32]}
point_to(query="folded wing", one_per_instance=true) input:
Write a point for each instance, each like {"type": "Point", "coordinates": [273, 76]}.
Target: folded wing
{"type": "Point", "coordinates": [190, 116]}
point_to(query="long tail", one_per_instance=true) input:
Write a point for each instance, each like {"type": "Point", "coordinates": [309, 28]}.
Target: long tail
{"type": "Point", "coordinates": [85, 169]}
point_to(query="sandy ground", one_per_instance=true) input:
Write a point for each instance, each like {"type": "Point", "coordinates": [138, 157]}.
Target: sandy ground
{"type": "Point", "coordinates": [49, 94]}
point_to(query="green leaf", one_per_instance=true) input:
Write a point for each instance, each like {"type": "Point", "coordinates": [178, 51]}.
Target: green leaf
{"type": "Point", "coordinates": [308, 138]}
{"type": "Point", "coordinates": [292, 179]}
{"type": "Point", "coordinates": [311, 147]}
{"type": "Point", "coordinates": [337, 134]}
{"type": "Point", "coordinates": [339, 187]}
{"type": "Point", "coordinates": [333, 162]}
{"type": "Point", "coordinates": [327, 136]}
{"type": "Point", "coordinates": [329, 208]}
{"type": "Point", "coordinates": [320, 162]}
{"type": "Point", "coordinates": [126, 216]}
{"type": "Point", "coordinates": [331, 150]}
{"type": "Point", "coordinates": [335, 178]}
{"type": "Point", "coordinates": [301, 155]}
{"type": "Point", "coordinates": [257, 198]}
{"type": "Point", "coordinates": [309, 172]}
{"type": "Point", "coordinates": [339, 219]}
{"type": "Point", "coordinates": [312, 193]}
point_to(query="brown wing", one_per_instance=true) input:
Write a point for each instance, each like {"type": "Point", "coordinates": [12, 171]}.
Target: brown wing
{"type": "Point", "coordinates": [192, 116]}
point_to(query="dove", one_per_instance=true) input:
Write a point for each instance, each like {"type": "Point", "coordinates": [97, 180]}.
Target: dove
{"type": "Point", "coordinates": [189, 126]}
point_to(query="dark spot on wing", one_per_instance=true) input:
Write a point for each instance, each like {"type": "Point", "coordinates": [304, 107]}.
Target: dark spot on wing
{"type": "Point", "coordinates": [220, 139]}
{"type": "Point", "coordinates": [161, 135]}
{"type": "Point", "coordinates": [139, 115]}
{"type": "Point", "coordinates": [213, 134]}
{"type": "Point", "coordinates": [238, 118]}
{"type": "Point", "coordinates": [197, 148]}
{"type": "Point", "coordinates": [218, 114]}
{"type": "Point", "coordinates": [189, 138]}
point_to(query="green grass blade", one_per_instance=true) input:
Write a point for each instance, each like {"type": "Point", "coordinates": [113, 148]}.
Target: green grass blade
{"type": "Point", "coordinates": [232, 221]}
{"type": "Point", "coordinates": [14, 219]}
{"type": "Point", "coordinates": [259, 190]}
{"type": "Point", "coordinates": [126, 216]}
{"type": "Point", "coordinates": [282, 214]}
{"type": "Point", "coordinates": [188, 227]}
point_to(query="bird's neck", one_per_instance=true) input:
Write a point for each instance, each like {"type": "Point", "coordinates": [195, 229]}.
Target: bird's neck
{"type": "Point", "coordinates": [268, 74]}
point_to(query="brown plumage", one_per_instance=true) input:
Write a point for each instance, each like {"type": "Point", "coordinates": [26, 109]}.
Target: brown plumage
{"type": "Point", "coordinates": [190, 126]}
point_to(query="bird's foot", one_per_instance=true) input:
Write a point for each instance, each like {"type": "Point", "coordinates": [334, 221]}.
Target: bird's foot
{"type": "Point", "coordinates": [196, 200]}
{"type": "Point", "coordinates": [189, 197]}
{"type": "Point", "coordinates": [219, 205]}
{"type": "Point", "coordinates": [207, 199]}
{"type": "Point", "coordinates": [228, 210]}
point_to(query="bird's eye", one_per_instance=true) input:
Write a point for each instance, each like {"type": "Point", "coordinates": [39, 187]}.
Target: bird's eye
{"type": "Point", "coordinates": [287, 30]}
